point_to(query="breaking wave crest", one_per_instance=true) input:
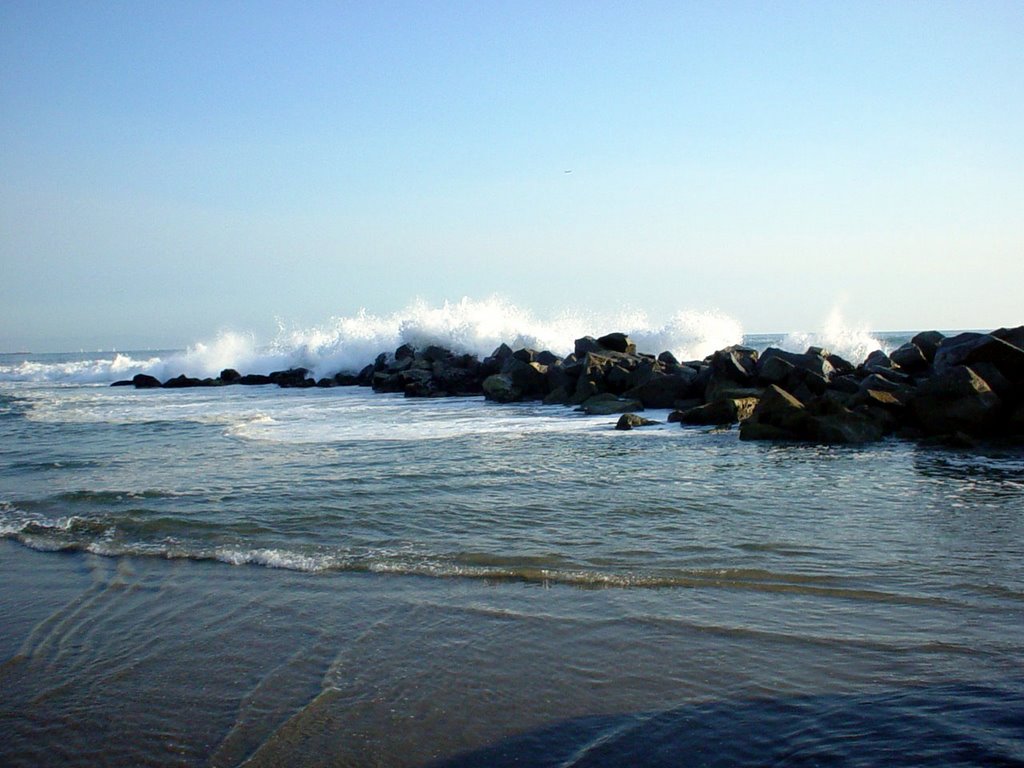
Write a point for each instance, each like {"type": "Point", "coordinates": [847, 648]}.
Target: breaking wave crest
{"type": "Point", "coordinates": [350, 343]}
{"type": "Point", "coordinates": [850, 341]}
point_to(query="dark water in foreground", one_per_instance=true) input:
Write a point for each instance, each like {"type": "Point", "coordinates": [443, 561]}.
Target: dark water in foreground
{"type": "Point", "coordinates": [282, 577]}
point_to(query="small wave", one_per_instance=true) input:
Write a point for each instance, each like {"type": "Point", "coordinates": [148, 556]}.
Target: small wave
{"type": "Point", "coordinates": [277, 558]}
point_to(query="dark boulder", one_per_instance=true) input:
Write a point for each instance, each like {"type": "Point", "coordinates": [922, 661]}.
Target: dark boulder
{"type": "Point", "coordinates": [230, 376]}
{"type": "Point", "coordinates": [1007, 357]}
{"type": "Point", "coordinates": [910, 358]}
{"type": "Point", "coordinates": [1013, 336]}
{"type": "Point", "coordinates": [494, 362]}
{"type": "Point", "coordinates": [733, 370]}
{"type": "Point", "coordinates": [617, 342]}
{"type": "Point", "coordinates": [500, 388]}
{"type": "Point", "coordinates": [953, 350]}
{"type": "Point", "coordinates": [526, 355]}
{"type": "Point", "coordinates": [122, 383]}
{"type": "Point", "coordinates": [928, 342]}
{"type": "Point", "coordinates": [586, 344]}
{"type": "Point", "coordinates": [529, 378]}
{"type": "Point", "coordinates": [774, 370]}
{"type": "Point", "coordinates": [346, 379]}
{"type": "Point", "coordinates": [617, 378]}
{"type": "Point", "coordinates": [253, 379]}
{"type": "Point", "coordinates": [781, 416]}
{"type": "Point", "coordinates": [778, 416]}
{"type": "Point", "coordinates": [957, 400]}
{"type": "Point", "coordinates": [292, 378]}
{"type": "Point", "coordinates": [832, 422]}
{"type": "Point", "coordinates": [145, 381]}
{"type": "Point", "coordinates": [631, 420]}
{"type": "Point", "coordinates": [365, 377]}
{"type": "Point", "coordinates": [840, 365]}
{"type": "Point", "coordinates": [666, 390]}
{"type": "Point", "coordinates": [737, 363]}
{"type": "Point", "coordinates": [813, 361]}
{"type": "Point", "coordinates": [183, 382]}
{"type": "Point", "coordinates": [405, 352]}
{"type": "Point", "coordinates": [724, 411]}
{"type": "Point", "coordinates": [606, 404]}
{"type": "Point", "coordinates": [558, 396]}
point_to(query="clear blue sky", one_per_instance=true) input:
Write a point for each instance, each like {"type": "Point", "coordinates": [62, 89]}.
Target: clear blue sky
{"type": "Point", "coordinates": [171, 169]}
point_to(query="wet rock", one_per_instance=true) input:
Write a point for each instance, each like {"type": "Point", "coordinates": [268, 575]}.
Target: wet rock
{"type": "Point", "coordinates": [781, 416]}
{"type": "Point", "coordinates": [778, 416]}
{"type": "Point", "coordinates": [346, 379]}
{"type": "Point", "coordinates": [954, 350]}
{"type": "Point", "coordinates": [774, 370]}
{"type": "Point", "coordinates": [558, 396]}
{"type": "Point", "coordinates": [253, 379]}
{"type": "Point", "coordinates": [526, 355]}
{"type": "Point", "coordinates": [617, 342]}
{"type": "Point", "coordinates": [1013, 336]}
{"type": "Point", "coordinates": [666, 390]}
{"type": "Point", "coordinates": [631, 421]}
{"type": "Point", "coordinates": [182, 382]}
{"type": "Point", "coordinates": [500, 388]}
{"type": "Point", "coordinates": [840, 366]}
{"type": "Point", "coordinates": [292, 378]}
{"type": "Point", "coordinates": [230, 376]}
{"type": "Point", "coordinates": [724, 411]}
{"type": "Point", "coordinates": [733, 374]}
{"type": "Point", "coordinates": [928, 342]}
{"type": "Point", "coordinates": [812, 361]}
{"type": "Point", "coordinates": [530, 379]}
{"type": "Point", "coordinates": [910, 358]}
{"type": "Point", "coordinates": [957, 400]}
{"type": "Point", "coordinates": [145, 381]}
{"type": "Point", "coordinates": [1007, 357]}
{"type": "Point", "coordinates": [832, 422]}
{"type": "Point", "coordinates": [607, 404]}
{"type": "Point", "coordinates": [586, 344]}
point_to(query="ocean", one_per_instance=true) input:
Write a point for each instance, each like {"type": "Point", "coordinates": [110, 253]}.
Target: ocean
{"type": "Point", "coordinates": [260, 576]}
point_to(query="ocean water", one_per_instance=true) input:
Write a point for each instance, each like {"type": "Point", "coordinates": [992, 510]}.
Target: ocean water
{"type": "Point", "coordinates": [259, 576]}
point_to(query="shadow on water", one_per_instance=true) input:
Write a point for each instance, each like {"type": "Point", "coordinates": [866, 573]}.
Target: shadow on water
{"type": "Point", "coordinates": [941, 725]}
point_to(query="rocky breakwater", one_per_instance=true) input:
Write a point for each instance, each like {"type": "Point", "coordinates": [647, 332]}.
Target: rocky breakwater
{"type": "Point", "coordinates": [962, 388]}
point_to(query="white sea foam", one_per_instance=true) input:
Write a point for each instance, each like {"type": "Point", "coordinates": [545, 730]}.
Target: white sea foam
{"type": "Point", "coordinates": [851, 341]}
{"type": "Point", "coordinates": [275, 558]}
{"type": "Point", "coordinates": [350, 343]}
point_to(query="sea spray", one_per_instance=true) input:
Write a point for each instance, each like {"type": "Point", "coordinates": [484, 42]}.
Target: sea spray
{"type": "Point", "coordinates": [349, 343]}
{"type": "Point", "coordinates": [850, 341]}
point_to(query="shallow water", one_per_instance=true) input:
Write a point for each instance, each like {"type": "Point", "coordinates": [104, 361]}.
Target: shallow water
{"type": "Point", "coordinates": [333, 577]}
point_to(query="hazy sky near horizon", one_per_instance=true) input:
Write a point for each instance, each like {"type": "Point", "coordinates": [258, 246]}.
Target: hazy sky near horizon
{"type": "Point", "coordinates": [168, 170]}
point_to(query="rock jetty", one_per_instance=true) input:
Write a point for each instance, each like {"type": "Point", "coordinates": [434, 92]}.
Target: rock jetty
{"type": "Point", "coordinates": [961, 389]}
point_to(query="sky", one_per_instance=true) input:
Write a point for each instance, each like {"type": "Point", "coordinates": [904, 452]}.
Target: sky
{"type": "Point", "coordinates": [170, 170]}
